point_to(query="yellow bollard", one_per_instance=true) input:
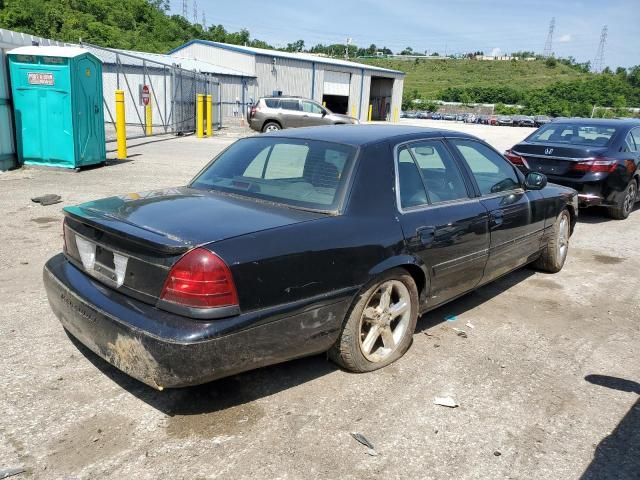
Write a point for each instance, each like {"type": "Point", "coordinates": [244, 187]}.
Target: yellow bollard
{"type": "Point", "coordinates": [121, 126]}
{"type": "Point", "coordinates": [324, 104]}
{"type": "Point", "coordinates": [395, 115]}
{"type": "Point", "coordinates": [200, 116]}
{"type": "Point", "coordinates": [148, 119]}
{"type": "Point", "coordinates": [353, 111]}
{"type": "Point", "coordinates": [370, 112]}
{"type": "Point", "coordinates": [209, 115]}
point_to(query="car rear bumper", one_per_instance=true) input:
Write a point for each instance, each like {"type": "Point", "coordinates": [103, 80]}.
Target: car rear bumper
{"type": "Point", "coordinates": [165, 350]}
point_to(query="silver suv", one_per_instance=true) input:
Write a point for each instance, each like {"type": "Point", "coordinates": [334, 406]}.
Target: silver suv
{"type": "Point", "coordinates": [275, 113]}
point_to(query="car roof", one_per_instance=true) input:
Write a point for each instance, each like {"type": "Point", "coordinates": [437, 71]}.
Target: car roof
{"type": "Point", "coordinates": [600, 121]}
{"type": "Point", "coordinates": [360, 135]}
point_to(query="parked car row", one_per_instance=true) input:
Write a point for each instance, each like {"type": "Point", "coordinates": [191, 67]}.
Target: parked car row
{"type": "Point", "coordinates": [504, 120]}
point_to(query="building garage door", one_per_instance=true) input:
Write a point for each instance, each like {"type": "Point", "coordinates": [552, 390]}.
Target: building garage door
{"type": "Point", "coordinates": [336, 91]}
{"type": "Point", "coordinates": [7, 152]}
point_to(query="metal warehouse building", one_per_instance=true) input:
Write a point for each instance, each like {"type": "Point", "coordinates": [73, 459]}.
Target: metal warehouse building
{"type": "Point", "coordinates": [345, 87]}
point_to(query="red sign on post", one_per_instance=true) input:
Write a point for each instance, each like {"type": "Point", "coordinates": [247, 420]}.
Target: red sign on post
{"type": "Point", "coordinates": [145, 95]}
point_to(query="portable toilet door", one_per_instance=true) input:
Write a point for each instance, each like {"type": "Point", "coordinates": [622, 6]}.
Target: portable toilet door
{"type": "Point", "coordinates": [57, 96]}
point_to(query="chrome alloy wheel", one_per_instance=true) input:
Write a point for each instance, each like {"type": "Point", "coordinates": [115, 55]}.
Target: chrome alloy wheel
{"type": "Point", "coordinates": [384, 321]}
{"type": "Point", "coordinates": [629, 199]}
{"type": "Point", "coordinates": [272, 128]}
{"type": "Point", "coordinates": [563, 237]}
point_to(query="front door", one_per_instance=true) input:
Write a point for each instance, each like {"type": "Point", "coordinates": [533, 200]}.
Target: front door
{"type": "Point", "coordinates": [516, 216]}
{"type": "Point", "coordinates": [312, 114]}
{"type": "Point", "coordinates": [290, 113]}
{"type": "Point", "coordinates": [443, 225]}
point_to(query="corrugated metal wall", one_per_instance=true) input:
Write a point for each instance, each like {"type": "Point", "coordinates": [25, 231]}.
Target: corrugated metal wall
{"type": "Point", "coordinates": [219, 56]}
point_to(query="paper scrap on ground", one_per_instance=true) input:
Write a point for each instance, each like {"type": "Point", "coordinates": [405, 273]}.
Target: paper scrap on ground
{"type": "Point", "coordinates": [446, 402]}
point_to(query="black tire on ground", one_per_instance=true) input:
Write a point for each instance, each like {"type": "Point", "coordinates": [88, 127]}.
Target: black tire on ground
{"type": "Point", "coordinates": [347, 351]}
{"type": "Point", "coordinates": [626, 202]}
{"type": "Point", "coordinates": [553, 256]}
{"type": "Point", "coordinates": [271, 127]}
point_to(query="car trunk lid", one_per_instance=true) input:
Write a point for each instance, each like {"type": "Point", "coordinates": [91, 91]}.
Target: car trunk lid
{"type": "Point", "coordinates": [554, 159]}
{"type": "Point", "coordinates": [130, 242]}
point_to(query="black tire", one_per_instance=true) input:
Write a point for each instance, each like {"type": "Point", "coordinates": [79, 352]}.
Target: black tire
{"type": "Point", "coordinates": [347, 351]}
{"type": "Point", "coordinates": [271, 127]}
{"type": "Point", "coordinates": [626, 202]}
{"type": "Point", "coordinates": [553, 257]}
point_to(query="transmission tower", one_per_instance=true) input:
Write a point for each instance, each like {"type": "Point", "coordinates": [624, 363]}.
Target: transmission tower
{"type": "Point", "coordinates": [548, 46]}
{"type": "Point", "coordinates": [195, 11]}
{"type": "Point", "coordinates": [204, 21]}
{"type": "Point", "coordinates": [185, 9]}
{"type": "Point", "coordinates": [598, 62]}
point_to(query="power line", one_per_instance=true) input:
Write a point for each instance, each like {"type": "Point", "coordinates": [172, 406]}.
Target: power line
{"type": "Point", "coordinates": [548, 46]}
{"type": "Point", "coordinates": [598, 62]}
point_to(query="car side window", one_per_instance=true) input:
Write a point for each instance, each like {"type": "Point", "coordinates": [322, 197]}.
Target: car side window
{"type": "Point", "coordinates": [633, 140]}
{"type": "Point", "coordinates": [412, 192]}
{"type": "Point", "coordinates": [311, 107]}
{"type": "Point", "coordinates": [290, 104]}
{"type": "Point", "coordinates": [441, 175]}
{"type": "Point", "coordinates": [272, 102]}
{"type": "Point", "coordinates": [492, 172]}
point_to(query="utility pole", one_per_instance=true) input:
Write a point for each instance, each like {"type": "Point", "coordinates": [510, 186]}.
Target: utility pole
{"type": "Point", "coordinates": [346, 49]}
{"type": "Point", "coordinates": [548, 46]}
{"type": "Point", "coordinates": [185, 9]}
{"type": "Point", "coordinates": [598, 62]}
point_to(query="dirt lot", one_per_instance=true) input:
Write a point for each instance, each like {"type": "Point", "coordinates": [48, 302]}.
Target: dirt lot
{"type": "Point", "coordinates": [532, 378]}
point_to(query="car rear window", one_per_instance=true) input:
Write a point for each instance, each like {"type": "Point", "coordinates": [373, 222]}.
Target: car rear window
{"type": "Point", "coordinates": [309, 174]}
{"type": "Point", "coordinates": [574, 134]}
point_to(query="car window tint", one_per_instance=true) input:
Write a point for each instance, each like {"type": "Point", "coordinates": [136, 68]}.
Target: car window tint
{"type": "Point", "coordinates": [286, 161]}
{"type": "Point", "coordinates": [412, 192]}
{"type": "Point", "coordinates": [305, 173]}
{"type": "Point", "coordinates": [492, 172]}
{"type": "Point", "coordinates": [576, 134]}
{"type": "Point", "coordinates": [441, 175]}
{"type": "Point", "coordinates": [290, 104]}
{"type": "Point", "coordinates": [635, 139]}
{"type": "Point", "coordinates": [311, 107]}
{"type": "Point", "coordinates": [272, 102]}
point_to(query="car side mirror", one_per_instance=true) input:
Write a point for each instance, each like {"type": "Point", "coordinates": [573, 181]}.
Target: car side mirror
{"type": "Point", "coordinates": [324, 112]}
{"type": "Point", "coordinates": [535, 181]}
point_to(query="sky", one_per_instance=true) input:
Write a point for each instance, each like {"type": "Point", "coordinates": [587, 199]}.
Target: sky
{"type": "Point", "coordinates": [451, 26]}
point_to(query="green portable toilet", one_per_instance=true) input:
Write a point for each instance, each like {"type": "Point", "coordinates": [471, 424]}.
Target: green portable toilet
{"type": "Point", "coordinates": [57, 102]}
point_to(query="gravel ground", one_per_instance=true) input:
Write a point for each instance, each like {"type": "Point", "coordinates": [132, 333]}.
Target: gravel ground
{"type": "Point", "coordinates": [546, 380]}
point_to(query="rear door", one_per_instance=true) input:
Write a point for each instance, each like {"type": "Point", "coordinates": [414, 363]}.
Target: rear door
{"type": "Point", "coordinates": [516, 216]}
{"type": "Point", "coordinates": [291, 113]}
{"type": "Point", "coordinates": [442, 223]}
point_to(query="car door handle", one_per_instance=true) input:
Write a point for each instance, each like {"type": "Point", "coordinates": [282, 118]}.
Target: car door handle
{"type": "Point", "coordinates": [496, 218]}
{"type": "Point", "coordinates": [426, 235]}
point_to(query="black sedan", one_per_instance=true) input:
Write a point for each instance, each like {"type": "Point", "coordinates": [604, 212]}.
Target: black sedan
{"type": "Point", "coordinates": [598, 158]}
{"type": "Point", "coordinates": [299, 242]}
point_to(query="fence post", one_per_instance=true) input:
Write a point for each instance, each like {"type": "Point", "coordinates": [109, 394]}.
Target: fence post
{"type": "Point", "coordinates": [209, 115]}
{"type": "Point", "coordinates": [121, 133]}
{"type": "Point", "coordinates": [200, 116]}
{"type": "Point", "coordinates": [148, 118]}
{"type": "Point", "coordinates": [370, 112]}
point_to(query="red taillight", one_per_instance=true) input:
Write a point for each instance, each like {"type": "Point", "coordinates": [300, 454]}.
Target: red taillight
{"type": "Point", "coordinates": [200, 279]}
{"type": "Point", "coordinates": [252, 111]}
{"type": "Point", "coordinates": [516, 159]}
{"type": "Point", "coordinates": [603, 165]}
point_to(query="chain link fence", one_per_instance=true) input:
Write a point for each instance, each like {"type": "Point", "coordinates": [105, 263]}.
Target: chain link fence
{"type": "Point", "coordinates": [172, 93]}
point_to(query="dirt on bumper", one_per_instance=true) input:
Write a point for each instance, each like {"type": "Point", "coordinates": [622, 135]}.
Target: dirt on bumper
{"type": "Point", "coordinates": [176, 351]}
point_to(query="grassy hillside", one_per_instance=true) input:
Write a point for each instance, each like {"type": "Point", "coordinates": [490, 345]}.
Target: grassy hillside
{"type": "Point", "coordinates": [431, 77]}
